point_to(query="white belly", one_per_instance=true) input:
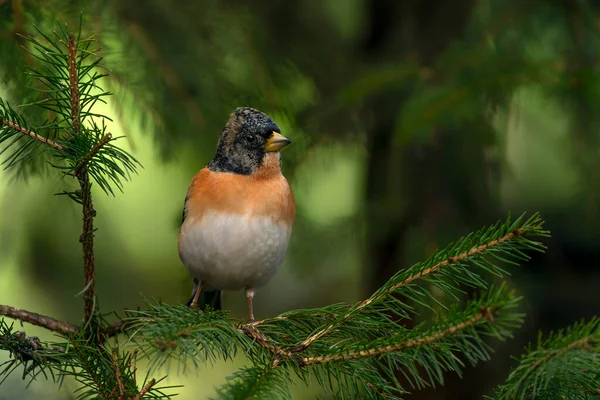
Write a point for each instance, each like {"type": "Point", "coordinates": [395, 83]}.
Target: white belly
{"type": "Point", "coordinates": [233, 251]}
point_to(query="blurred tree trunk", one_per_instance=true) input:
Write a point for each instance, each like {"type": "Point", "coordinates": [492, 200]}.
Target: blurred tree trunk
{"type": "Point", "coordinates": [413, 188]}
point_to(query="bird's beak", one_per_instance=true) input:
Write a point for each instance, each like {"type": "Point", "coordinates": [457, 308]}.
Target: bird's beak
{"type": "Point", "coordinates": [276, 142]}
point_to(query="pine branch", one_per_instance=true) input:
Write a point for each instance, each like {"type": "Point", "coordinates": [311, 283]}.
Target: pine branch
{"type": "Point", "coordinates": [265, 382]}
{"type": "Point", "coordinates": [30, 353]}
{"type": "Point", "coordinates": [73, 83]}
{"type": "Point", "coordinates": [28, 132]}
{"type": "Point", "coordinates": [119, 378]}
{"type": "Point", "coordinates": [426, 340]}
{"type": "Point", "coordinates": [147, 387]}
{"type": "Point", "coordinates": [279, 354]}
{"type": "Point", "coordinates": [87, 236]}
{"type": "Point", "coordinates": [566, 365]}
{"type": "Point", "coordinates": [484, 245]}
{"type": "Point", "coordinates": [49, 323]}
{"type": "Point", "coordinates": [423, 353]}
{"type": "Point", "coordinates": [167, 331]}
{"type": "Point", "coordinates": [257, 382]}
{"type": "Point", "coordinates": [83, 163]}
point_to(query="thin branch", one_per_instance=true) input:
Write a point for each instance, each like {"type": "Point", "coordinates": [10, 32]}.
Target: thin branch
{"type": "Point", "coordinates": [281, 318]}
{"type": "Point", "coordinates": [145, 389]}
{"type": "Point", "coordinates": [92, 371]}
{"type": "Point", "coordinates": [113, 330]}
{"type": "Point", "coordinates": [374, 352]}
{"type": "Point", "coordinates": [87, 242]}
{"type": "Point", "coordinates": [262, 340]}
{"type": "Point", "coordinates": [74, 83]}
{"type": "Point", "coordinates": [31, 343]}
{"type": "Point", "coordinates": [580, 343]}
{"type": "Point", "coordinates": [87, 236]}
{"type": "Point", "coordinates": [83, 163]}
{"type": "Point", "coordinates": [30, 133]}
{"type": "Point", "coordinates": [479, 249]}
{"type": "Point", "coordinates": [119, 376]}
{"type": "Point", "coordinates": [49, 323]}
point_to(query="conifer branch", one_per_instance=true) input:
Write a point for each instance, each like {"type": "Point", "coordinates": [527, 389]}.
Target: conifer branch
{"type": "Point", "coordinates": [87, 236]}
{"type": "Point", "coordinates": [563, 366]}
{"type": "Point", "coordinates": [583, 343]}
{"type": "Point", "coordinates": [83, 163]}
{"type": "Point", "coordinates": [420, 274]}
{"type": "Point", "coordinates": [279, 354]}
{"type": "Point", "coordinates": [74, 83]}
{"type": "Point", "coordinates": [428, 339]}
{"type": "Point", "coordinates": [147, 387]}
{"type": "Point", "coordinates": [87, 242]}
{"type": "Point", "coordinates": [49, 323]}
{"type": "Point", "coordinates": [28, 132]}
{"type": "Point", "coordinates": [113, 329]}
{"type": "Point", "coordinates": [119, 377]}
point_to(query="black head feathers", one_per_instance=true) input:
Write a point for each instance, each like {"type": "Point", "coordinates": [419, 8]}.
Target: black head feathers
{"type": "Point", "coordinates": [247, 137]}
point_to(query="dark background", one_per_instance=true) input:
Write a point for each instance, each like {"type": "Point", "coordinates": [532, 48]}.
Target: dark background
{"type": "Point", "coordinates": [414, 122]}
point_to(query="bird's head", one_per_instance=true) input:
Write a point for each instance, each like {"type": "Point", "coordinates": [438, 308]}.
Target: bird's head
{"type": "Point", "coordinates": [247, 138]}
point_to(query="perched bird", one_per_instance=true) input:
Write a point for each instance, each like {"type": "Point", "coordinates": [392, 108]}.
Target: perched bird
{"type": "Point", "coordinates": [239, 211]}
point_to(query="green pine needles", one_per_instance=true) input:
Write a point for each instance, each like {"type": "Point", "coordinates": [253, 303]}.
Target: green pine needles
{"type": "Point", "coordinates": [67, 80]}
{"type": "Point", "coordinates": [564, 366]}
{"type": "Point", "coordinates": [363, 350]}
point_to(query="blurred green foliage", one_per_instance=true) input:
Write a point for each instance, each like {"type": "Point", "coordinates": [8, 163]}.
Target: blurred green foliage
{"type": "Point", "coordinates": [414, 122]}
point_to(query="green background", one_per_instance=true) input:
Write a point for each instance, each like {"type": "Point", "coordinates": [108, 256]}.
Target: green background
{"type": "Point", "coordinates": [414, 123]}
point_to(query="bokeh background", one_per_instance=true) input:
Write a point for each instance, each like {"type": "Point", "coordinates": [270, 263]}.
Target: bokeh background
{"type": "Point", "coordinates": [414, 122]}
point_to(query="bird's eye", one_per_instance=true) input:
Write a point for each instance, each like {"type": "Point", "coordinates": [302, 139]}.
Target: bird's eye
{"type": "Point", "coordinates": [250, 139]}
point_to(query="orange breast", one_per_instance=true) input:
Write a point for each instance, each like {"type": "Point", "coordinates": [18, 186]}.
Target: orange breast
{"type": "Point", "coordinates": [264, 193]}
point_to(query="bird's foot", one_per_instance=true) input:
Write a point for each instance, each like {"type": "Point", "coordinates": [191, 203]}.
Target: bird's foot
{"type": "Point", "coordinates": [196, 307]}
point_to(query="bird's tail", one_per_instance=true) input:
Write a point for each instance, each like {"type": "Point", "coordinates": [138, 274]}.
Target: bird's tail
{"type": "Point", "coordinates": [207, 297]}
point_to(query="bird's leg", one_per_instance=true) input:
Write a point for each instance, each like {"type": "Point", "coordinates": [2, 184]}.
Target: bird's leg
{"type": "Point", "coordinates": [249, 296]}
{"type": "Point", "coordinates": [199, 289]}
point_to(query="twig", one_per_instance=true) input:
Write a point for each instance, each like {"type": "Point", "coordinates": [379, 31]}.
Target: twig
{"type": "Point", "coordinates": [580, 343]}
{"type": "Point", "coordinates": [87, 242]}
{"type": "Point", "coordinates": [351, 355]}
{"type": "Point", "coordinates": [118, 376]}
{"type": "Point", "coordinates": [30, 343]}
{"type": "Point", "coordinates": [262, 340]}
{"type": "Point", "coordinates": [84, 162]}
{"type": "Point", "coordinates": [114, 329]}
{"type": "Point", "coordinates": [30, 133]}
{"type": "Point", "coordinates": [87, 236]}
{"type": "Point", "coordinates": [74, 83]}
{"type": "Point", "coordinates": [311, 339]}
{"type": "Point", "coordinates": [89, 366]}
{"type": "Point", "coordinates": [39, 320]}
{"type": "Point", "coordinates": [283, 318]}
{"type": "Point", "coordinates": [145, 389]}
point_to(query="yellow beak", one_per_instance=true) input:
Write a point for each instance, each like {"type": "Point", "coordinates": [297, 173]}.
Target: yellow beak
{"type": "Point", "coordinates": [276, 142]}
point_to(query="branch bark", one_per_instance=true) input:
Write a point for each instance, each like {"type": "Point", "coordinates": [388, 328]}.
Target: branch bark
{"type": "Point", "coordinates": [374, 352]}
{"type": "Point", "coordinates": [49, 323]}
{"type": "Point", "coordinates": [87, 236]}
{"type": "Point", "coordinates": [145, 389]}
{"type": "Point", "coordinates": [30, 133]}
{"type": "Point", "coordinates": [83, 163]}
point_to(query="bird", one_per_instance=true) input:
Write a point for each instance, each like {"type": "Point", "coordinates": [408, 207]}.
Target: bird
{"type": "Point", "coordinates": [238, 213]}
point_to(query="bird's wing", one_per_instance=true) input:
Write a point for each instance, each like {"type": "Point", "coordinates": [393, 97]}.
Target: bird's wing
{"type": "Point", "coordinates": [184, 213]}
